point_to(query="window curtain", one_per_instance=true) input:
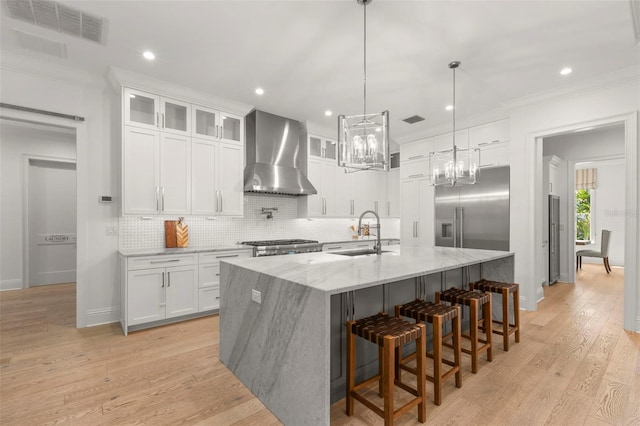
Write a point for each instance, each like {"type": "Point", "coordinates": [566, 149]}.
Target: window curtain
{"type": "Point", "coordinates": [586, 179]}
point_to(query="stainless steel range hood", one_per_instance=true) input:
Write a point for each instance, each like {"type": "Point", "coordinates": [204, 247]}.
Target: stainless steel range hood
{"type": "Point", "coordinates": [276, 157]}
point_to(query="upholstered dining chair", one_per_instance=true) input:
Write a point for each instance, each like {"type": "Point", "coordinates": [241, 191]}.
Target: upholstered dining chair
{"type": "Point", "coordinates": [602, 253]}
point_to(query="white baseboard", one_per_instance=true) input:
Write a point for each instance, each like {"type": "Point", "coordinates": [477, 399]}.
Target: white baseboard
{"type": "Point", "coordinates": [563, 278]}
{"type": "Point", "coordinates": [102, 316]}
{"type": "Point", "coordinates": [14, 284]}
{"type": "Point", "coordinates": [539, 294]}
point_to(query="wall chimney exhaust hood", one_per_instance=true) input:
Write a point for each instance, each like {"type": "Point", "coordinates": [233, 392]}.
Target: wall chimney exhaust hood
{"type": "Point", "coordinates": [276, 157]}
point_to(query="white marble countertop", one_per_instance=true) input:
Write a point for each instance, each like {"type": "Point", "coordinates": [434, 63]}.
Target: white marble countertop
{"type": "Point", "coordinates": [335, 273]}
{"type": "Point", "coordinates": [182, 250]}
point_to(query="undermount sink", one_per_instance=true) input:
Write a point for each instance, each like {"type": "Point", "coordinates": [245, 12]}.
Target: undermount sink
{"type": "Point", "coordinates": [352, 253]}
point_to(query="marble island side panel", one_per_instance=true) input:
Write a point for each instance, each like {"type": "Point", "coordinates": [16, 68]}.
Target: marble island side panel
{"type": "Point", "coordinates": [278, 348]}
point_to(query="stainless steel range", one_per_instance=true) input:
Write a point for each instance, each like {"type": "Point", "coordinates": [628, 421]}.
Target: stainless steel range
{"type": "Point", "coordinates": [278, 247]}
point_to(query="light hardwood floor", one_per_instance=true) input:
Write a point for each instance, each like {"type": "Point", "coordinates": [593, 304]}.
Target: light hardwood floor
{"type": "Point", "coordinates": [574, 365]}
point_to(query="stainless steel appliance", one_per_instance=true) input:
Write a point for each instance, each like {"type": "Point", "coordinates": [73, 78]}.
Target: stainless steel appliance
{"type": "Point", "coordinates": [554, 240]}
{"type": "Point", "coordinates": [474, 216]}
{"type": "Point", "coordinates": [276, 155]}
{"type": "Point", "coordinates": [278, 247]}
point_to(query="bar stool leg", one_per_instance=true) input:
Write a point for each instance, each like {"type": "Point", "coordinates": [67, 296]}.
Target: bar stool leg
{"type": "Point", "coordinates": [351, 366]}
{"type": "Point", "coordinates": [486, 313]}
{"type": "Point", "coordinates": [516, 313]}
{"type": "Point", "coordinates": [473, 331]}
{"type": "Point", "coordinates": [388, 363]}
{"type": "Point", "coordinates": [457, 355]}
{"type": "Point", "coordinates": [437, 359]}
{"type": "Point", "coordinates": [505, 319]}
{"type": "Point", "coordinates": [421, 360]}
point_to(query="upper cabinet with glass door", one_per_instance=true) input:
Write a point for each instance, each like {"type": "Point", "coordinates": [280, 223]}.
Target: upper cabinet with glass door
{"type": "Point", "coordinates": [324, 148]}
{"type": "Point", "coordinates": [217, 125]}
{"type": "Point", "coordinates": [142, 109]}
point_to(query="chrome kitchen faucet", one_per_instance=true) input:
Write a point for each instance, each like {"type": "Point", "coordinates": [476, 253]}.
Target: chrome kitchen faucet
{"type": "Point", "coordinates": [378, 246]}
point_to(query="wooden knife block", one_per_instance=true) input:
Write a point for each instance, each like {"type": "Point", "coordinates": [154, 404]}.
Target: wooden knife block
{"type": "Point", "coordinates": [176, 234]}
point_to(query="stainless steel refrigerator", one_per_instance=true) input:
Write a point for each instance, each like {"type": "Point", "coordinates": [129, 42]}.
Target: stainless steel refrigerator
{"type": "Point", "coordinates": [475, 216]}
{"type": "Point", "coordinates": [554, 240]}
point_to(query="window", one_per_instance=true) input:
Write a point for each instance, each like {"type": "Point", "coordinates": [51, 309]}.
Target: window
{"type": "Point", "coordinates": [584, 218]}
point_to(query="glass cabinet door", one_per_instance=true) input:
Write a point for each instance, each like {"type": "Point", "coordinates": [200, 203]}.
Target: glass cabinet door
{"type": "Point", "coordinates": [330, 149]}
{"type": "Point", "coordinates": [205, 122]}
{"type": "Point", "coordinates": [175, 116]}
{"type": "Point", "coordinates": [315, 146]}
{"type": "Point", "coordinates": [231, 127]}
{"type": "Point", "coordinates": [141, 109]}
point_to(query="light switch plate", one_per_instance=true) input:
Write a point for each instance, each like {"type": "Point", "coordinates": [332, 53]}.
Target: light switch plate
{"type": "Point", "coordinates": [256, 296]}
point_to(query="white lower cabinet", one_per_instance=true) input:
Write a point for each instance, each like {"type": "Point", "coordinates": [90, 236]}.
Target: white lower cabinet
{"type": "Point", "coordinates": [417, 220]}
{"type": "Point", "coordinates": [209, 277]}
{"type": "Point", "coordinates": [167, 288]}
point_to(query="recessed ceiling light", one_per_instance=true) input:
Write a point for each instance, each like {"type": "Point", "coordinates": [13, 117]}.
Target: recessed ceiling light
{"type": "Point", "coordinates": [259, 91]}
{"type": "Point", "coordinates": [328, 113]}
{"type": "Point", "coordinates": [148, 55]}
{"type": "Point", "coordinates": [449, 107]}
{"type": "Point", "coordinates": [566, 71]}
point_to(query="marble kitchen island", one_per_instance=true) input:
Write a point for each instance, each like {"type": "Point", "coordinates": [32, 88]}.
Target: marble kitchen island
{"type": "Point", "coordinates": [288, 347]}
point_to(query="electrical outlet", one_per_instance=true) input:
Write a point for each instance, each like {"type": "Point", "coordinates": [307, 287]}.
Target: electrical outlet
{"type": "Point", "coordinates": [112, 230]}
{"type": "Point", "coordinates": [256, 296]}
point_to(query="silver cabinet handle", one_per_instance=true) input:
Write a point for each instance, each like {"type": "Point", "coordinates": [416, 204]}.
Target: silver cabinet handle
{"type": "Point", "coordinates": [217, 297]}
{"type": "Point", "coordinates": [157, 119]}
{"type": "Point", "coordinates": [415, 156]}
{"type": "Point", "coordinates": [163, 198]}
{"type": "Point", "coordinates": [157, 198]}
{"type": "Point", "coordinates": [416, 176]}
{"type": "Point", "coordinates": [217, 200]}
{"type": "Point", "coordinates": [165, 261]}
{"type": "Point", "coordinates": [168, 279]}
{"type": "Point", "coordinates": [227, 255]}
{"type": "Point", "coordinates": [375, 206]}
{"type": "Point", "coordinates": [489, 143]}
{"type": "Point", "coordinates": [163, 279]}
{"type": "Point", "coordinates": [334, 248]}
{"type": "Point", "coordinates": [353, 206]}
{"type": "Point", "coordinates": [221, 200]}
{"type": "Point", "coordinates": [416, 229]}
{"type": "Point", "coordinates": [163, 120]}
{"type": "Point", "coordinates": [388, 208]}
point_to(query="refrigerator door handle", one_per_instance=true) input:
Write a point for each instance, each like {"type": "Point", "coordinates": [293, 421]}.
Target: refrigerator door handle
{"type": "Point", "coordinates": [455, 221]}
{"type": "Point", "coordinates": [461, 226]}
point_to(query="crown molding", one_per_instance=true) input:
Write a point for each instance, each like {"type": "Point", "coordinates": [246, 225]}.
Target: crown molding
{"type": "Point", "coordinates": [615, 78]}
{"type": "Point", "coordinates": [119, 77]}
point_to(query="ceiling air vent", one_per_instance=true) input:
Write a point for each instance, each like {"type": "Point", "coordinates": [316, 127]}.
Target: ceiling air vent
{"type": "Point", "coordinates": [413, 119]}
{"type": "Point", "coordinates": [42, 45]}
{"type": "Point", "coordinates": [59, 17]}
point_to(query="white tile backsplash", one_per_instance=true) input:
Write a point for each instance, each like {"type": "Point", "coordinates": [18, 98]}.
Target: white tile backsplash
{"type": "Point", "coordinates": [139, 233]}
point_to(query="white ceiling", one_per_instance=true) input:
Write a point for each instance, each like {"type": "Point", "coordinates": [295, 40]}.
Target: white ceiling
{"type": "Point", "coordinates": [308, 55]}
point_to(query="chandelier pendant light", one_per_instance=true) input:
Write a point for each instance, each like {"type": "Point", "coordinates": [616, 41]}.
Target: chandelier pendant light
{"type": "Point", "coordinates": [363, 140]}
{"type": "Point", "coordinates": [455, 166]}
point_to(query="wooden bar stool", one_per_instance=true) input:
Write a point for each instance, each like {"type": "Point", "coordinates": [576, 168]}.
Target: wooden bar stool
{"type": "Point", "coordinates": [436, 314]}
{"type": "Point", "coordinates": [504, 289]}
{"type": "Point", "coordinates": [389, 333]}
{"type": "Point", "coordinates": [474, 300]}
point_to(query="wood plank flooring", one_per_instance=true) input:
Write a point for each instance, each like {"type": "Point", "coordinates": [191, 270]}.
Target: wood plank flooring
{"type": "Point", "coordinates": [574, 365]}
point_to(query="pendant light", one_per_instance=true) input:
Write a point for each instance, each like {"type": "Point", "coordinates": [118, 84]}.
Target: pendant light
{"type": "Point", "coordinates": [363, 140]}
{"type": "Point", "coordinates": [455, 166]}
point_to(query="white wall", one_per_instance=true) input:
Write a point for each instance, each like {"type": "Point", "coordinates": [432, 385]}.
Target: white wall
{"type": "Point", "coordinates": [536, 119]}
{"type": "Point", "coordinates": [16, 141]}
{"type": "Point", "coordinates": [44, 85]}
{"type": "Point", "coordinates": [596, 143]}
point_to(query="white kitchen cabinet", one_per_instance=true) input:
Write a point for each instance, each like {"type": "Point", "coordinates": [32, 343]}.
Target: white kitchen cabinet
{"type": "Point", "coordinates": [417, 216]}
{"type": "Point", "coordinates": [149, 111]}
{"type": "Point", "coordinates": [415, 150]}
{"type": "Point", "coordinates": [361, 191]}
{"type": "Point", "coordinates": [209, 277]}
{"type": "Point", "coordinates": [322, 175]}
{"type": "Point", "coordinates": [490, 133]}
{"type": "Point", "coordinates": [215, 125]}
{"type": "Point", "coordinates": [393, 194]}
{"type": "Point", "coordinates": [495, 154]}
{"type": "Point", "coordinates": [217, 178]}
{"type": "Point", "coordinates": [324, 148]}
{"type": "Point", "coordinates": [156, 172]}
{"type": "Point", "coordinates": [445, 141]}
{"type": "Point", "coordinates": [157, 290]}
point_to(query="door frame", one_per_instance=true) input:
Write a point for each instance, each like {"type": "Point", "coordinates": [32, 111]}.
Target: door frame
{"type": "Point", "coordinates": [631, 319]}
{"type": "Point", "coordinates": [82, 197]}
{"type": "Point", "coordinates": [26, 282]}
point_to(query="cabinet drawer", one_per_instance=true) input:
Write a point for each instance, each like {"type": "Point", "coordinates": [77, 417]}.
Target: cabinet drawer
{"type": "Point", "coordinates": [209, 275]}
{"type": "Point", "coordinates": [162, 261]}
{"type": "Point", "coordinates": [414, 169]}
{"type": "Point", "coordinates": [209, 298]}
{"type": "Point", "coordinates": [217, 256]}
